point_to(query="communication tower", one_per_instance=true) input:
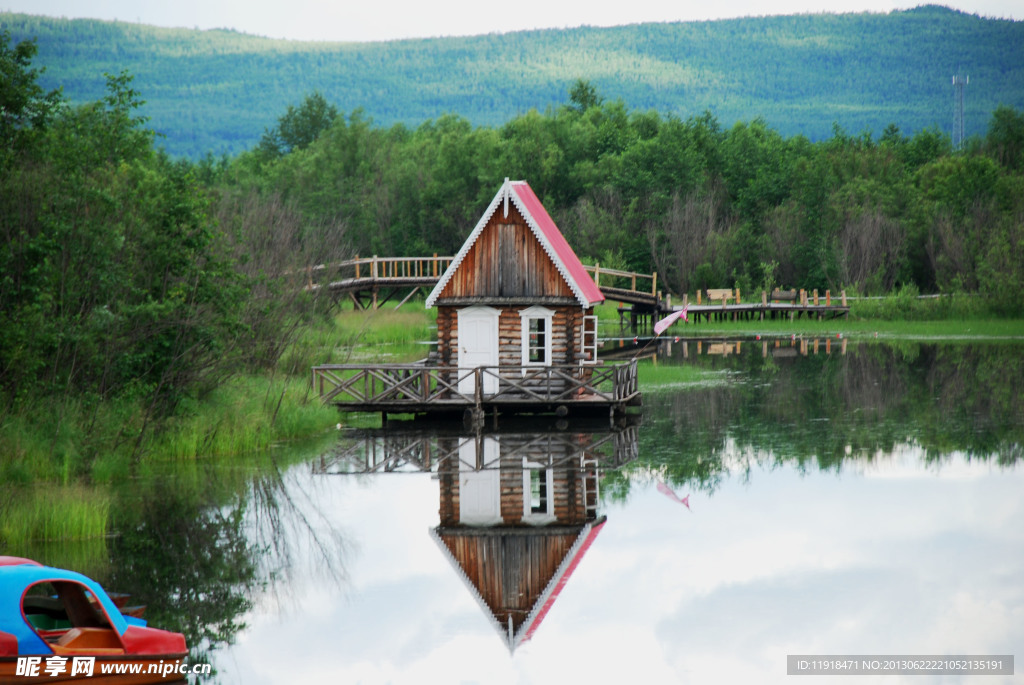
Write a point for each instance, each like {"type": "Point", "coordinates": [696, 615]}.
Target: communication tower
{"type": "Point", "coordinates": [959, 83]}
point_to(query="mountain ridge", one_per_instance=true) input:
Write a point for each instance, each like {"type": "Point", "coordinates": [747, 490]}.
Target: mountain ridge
{"type": "Point", "coordinates": [217, 90]}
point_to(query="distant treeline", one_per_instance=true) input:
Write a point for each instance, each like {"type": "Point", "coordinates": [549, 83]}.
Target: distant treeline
{"type": "Point", "coordinates": [704, 205]}
{"type": "Point", "coordinates": [216, 91]}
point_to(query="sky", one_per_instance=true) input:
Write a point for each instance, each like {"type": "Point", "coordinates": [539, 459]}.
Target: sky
{"type": "Point", "coordinates": [330, 20]}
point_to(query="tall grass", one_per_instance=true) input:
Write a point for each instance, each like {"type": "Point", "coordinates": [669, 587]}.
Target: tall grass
{"type": "Point", "coordinates": [54, 513]}
{"type": "Point", "coordinates": [247, 415]}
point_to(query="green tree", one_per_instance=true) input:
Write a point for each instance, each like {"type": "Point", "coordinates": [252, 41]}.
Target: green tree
{"type": "Point", "coordinates": [25, 106]}
{"type": "Point", "coordinates": [1005, 138]}
{"type": "Point", "coordinates": [299, 126]}
{"type": "Point", "coordinates": [583, 95]}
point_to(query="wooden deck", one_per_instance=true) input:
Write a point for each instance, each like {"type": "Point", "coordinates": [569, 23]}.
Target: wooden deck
{"type": "Point", "coordinates": [420, 389]}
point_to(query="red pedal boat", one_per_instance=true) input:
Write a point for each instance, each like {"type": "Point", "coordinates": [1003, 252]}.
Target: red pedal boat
{"type": "Point", "coordinates": [59, 626]}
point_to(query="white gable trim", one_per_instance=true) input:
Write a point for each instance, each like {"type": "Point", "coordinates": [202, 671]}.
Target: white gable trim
{"type": "Point", "coordinates": [502, 198]}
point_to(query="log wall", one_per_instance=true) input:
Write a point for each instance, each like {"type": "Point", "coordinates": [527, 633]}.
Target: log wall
{"type": "Point", "coordinates": [506, 261]}
{"type": "Point", "coordinates": [566, 331]}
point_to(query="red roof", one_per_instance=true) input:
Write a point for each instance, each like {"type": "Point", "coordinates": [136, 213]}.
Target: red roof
{"type": "Point", "coordinates": [545, 230]}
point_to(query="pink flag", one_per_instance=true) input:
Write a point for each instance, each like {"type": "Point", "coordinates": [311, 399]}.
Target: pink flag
{"type": "Point", "coordinates": [670, 493]}
{"type": "Point", "coordinates": [660, 327]}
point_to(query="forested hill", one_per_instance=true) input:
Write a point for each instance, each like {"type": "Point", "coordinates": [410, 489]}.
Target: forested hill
{"type": "Point", "coordinates": [217, 91]}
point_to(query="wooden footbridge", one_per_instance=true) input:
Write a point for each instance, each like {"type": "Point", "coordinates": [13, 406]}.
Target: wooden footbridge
{"type": "Point", "coordinates": [372, 282]}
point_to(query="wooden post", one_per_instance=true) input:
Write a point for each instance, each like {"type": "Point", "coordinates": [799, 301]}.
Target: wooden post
{"type": "Point", "coordinates": [815, 297]}
{"type": "Point", "coordinates": [698, 298]}
{"type": "Point", "coordinates": [597, 274]}
{"type": "Point", "coordinates": [357, 266]}
{"type": "Point", "coordinates": [373, 269]}
{"type": "Point", "coordinates": [737, 295]}
{"type": "Point", "coordinates": [842, 295]}
{"type": "Point", "coordinates": [654, 282]}
{"type": "Point", "coordinates": [686, 300]}
{"type": "Point", "coordinates": [764, 298]}
{"type": "Point", "coordinates": [828, 298]}
{"type": "Point", "coordinates": [478, 389]}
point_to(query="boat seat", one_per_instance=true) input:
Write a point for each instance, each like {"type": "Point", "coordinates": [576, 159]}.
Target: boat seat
{"type": "Point", "coordinates": [90, 641]}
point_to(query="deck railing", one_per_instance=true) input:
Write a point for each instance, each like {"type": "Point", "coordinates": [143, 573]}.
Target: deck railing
{"type": "Point", "coordinates": [418, 384]}
{"type": "Point", "coordinates": [614, 279]}
{"type": "Point", "coordinates": [382, 268]}
{"type": "Point", "coordinates": [385, 269]}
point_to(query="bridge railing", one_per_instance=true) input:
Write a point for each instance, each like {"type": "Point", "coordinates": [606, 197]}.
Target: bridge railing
{"type": "Point", "coordinates": [381, 268]}
{"type": "Point", "coordinates": [630, 281]}
{"type": "Point", "coordinates": [419, 384]}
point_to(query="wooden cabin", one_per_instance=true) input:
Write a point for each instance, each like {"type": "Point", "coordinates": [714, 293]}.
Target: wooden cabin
{"type": "Point", "coordinates": [515, 296]}
{"type": "Point", "coordinates": [516, 331]}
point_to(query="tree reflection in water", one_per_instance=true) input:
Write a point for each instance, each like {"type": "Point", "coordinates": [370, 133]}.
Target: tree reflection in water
{"type": "Point", "coordinates": [200, 563]}
{"type": "Point", "coordinates": [830, 409]}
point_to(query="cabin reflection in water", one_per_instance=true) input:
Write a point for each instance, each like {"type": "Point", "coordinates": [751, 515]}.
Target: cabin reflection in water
{"type": "Point", "coordinates": [518, 511]}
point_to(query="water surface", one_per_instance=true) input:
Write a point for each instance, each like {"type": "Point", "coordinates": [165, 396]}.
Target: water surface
{"type": "Point", "coordinates": [800, 498]}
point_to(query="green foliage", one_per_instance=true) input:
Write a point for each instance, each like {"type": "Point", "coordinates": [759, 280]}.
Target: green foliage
{"type": "Point", "coordinates": [299, 126]}
{"type": "Point", "coordinates": [53, 513]}
{"type": "Point", "coordinates": [1005, 137]}
{"type": "Point", "coordinates": [25, 106]}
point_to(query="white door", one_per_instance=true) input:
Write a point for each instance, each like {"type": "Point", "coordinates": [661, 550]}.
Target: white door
{"type": "Point", "coordinates": [478, 346]}
{"type": "Point", "coordinates": [479, 483]}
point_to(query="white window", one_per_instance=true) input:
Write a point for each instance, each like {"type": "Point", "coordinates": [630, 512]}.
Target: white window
{"type": "Point", "coordinates": [536, 331]}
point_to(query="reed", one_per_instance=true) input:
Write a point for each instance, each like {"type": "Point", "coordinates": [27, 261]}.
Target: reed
{"type": "Point", "coordinates": [247, 415]}
{"type": "Point", "coordinates": [47, 512]}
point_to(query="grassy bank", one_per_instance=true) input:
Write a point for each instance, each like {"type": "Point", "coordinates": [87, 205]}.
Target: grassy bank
{"type": "Point", "coordinates": [63, 459]}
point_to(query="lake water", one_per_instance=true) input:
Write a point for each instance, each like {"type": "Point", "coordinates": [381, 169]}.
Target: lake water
{"type": "Point", "coordinates": [825, 498]}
